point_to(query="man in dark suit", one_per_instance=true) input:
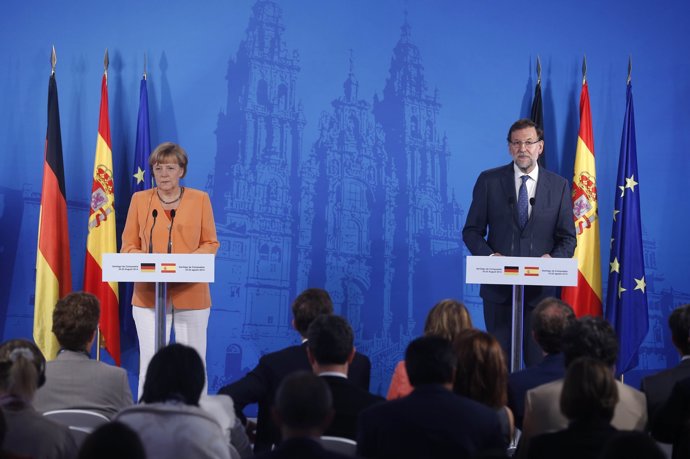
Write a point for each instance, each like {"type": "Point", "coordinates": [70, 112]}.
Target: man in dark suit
{"type": "Point", "coordinates": [432, 421]}
{"type": "Point", "coordinates": [74, 380]}
{"type": "Point", "coordinates": [658, 387]}
{"type": "Point", "coordinates": [303, 409]}
{"type": "Point", "coordinates": [330, 347]}
{"type": "Point", "coordinates": [260, 384]}
{"type": "Point", "coordinates": [549, 320]}
{"type": "Point", "coordinates": [527, 212]}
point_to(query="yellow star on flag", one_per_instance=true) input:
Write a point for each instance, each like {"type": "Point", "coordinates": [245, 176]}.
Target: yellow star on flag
{"type": "Point", "coordinates": [622, 188]}
{"type": "Point", "coordinates": [631, 183]}
{"type": "Point", "coordinates": [615, 212]}
{"type": "Point", "coordinates": [615, 266]}
{"type": "Point", "coordinates": [620, 290]}
{"type": "Point", "coordinates": [640, 284]}
{"type": "Point", "coordinates": [139, 175]}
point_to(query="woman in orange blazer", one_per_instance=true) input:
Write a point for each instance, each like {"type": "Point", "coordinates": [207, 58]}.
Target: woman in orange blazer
{"type": "Point", "coordinates": [193, 231]}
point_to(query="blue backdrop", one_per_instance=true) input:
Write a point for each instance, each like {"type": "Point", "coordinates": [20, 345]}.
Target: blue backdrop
{"type": "Point", "coordinates": [340, 142]}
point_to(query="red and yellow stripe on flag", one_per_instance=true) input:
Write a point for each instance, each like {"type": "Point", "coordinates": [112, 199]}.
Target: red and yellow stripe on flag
{"type": "Point", "coordinates": [586, 297]}
{"type": "Point", "coordinates": [102, 238]}
{"type": "Point", "coordinates": [53, 270]}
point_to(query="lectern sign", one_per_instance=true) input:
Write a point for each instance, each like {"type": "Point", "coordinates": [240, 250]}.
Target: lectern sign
{"type": "Point", "coordinates": [521, 271]}
{"type": "Point", "coordinates": [158, 267]}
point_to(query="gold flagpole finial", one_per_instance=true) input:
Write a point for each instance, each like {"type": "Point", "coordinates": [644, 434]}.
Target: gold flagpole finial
{"type": "Point", "coordinates": [144, 66]}
{"type": "Point", "coordinates": [538, 69]}
{"type": "Point", "coordinates": [53, 61]}
{"type": "Point", "coordinates": [106, 62]}
{"type": "Point", "coordinates": [584, 69]}
{"type": "Point", "coordinates": [629, 69]}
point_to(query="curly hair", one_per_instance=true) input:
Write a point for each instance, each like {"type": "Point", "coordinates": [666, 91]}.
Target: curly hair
{"type": "Point", "coordinates": [75, 319]}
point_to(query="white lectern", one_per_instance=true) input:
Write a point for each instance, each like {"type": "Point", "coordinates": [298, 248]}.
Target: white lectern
{"type": "Point", "coordinates": [518, 272]}
{"type": "Point", "coordinates": [161, 268]}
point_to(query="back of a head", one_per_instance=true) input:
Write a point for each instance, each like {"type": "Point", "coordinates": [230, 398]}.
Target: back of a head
{"type": "Point", "coordinates": [589, 391]}
{"type": "Point", "coordinates": [176, 372]}
{"type": "Point", "coordinates": [308, 305]}
{"type": "Point", "coordinates": [75, 319]}
{"type": "Point", "coordinates": [446, 319]}
{"type": "Point", "coordinates": [679, 323]}
{"type": "Point", "coordinates": [113, 440]}
{"type": "Point", "coordinates": [330, 339]}
{"type": "Point", "coordinates": [549, 320]}
{"type": "Point", "coordinates": [303, 402]}
{"type": "Point", "coordinates": [481, 374]}
{"type": "Point", "coordinates": [627, 444]}
{"type": "Point", "coordinates": [592, 337]}
{"type": "Point", "coordinates": [430, 360]}
{"type": "Point", "coordinates": [22, 369]}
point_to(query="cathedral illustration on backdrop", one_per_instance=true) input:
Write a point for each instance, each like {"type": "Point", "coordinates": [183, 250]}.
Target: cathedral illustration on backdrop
{"type": "Point", "coordinates": [363, 210]}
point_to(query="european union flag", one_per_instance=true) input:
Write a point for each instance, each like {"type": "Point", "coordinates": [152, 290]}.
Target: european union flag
{"type": "Point", "coordinates": [626, 300]}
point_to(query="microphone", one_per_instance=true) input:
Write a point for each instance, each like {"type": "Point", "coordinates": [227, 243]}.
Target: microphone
{"type": "Point", "coordinates": [154, 214]}
{"type": "Point", "coordinates": [172, 219]}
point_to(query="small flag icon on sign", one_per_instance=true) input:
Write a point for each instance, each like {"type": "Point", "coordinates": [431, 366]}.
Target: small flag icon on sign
{"type": "Point", "coordinates": [168, 267]}
{"type": "Point", "coordinates": [148, 267]}
{"type": "Point", "coordinates": [531, 270]}
{"type": "Point", "coordinates": [511, 270]}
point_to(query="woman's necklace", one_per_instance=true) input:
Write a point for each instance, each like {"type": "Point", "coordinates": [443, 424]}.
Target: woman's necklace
{"type": "Point", "coordinates": [174, 200]}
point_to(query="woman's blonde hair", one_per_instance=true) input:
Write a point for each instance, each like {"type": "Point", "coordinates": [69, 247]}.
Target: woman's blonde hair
{"type": "Point", "coordinates": [446, 319]}
{"type": "Point", "coordinates": [169, 151]}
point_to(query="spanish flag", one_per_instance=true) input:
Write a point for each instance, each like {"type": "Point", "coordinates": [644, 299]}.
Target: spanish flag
{"type": "Point", "coordinates": [586, 297]}
{"type": "Point", "coordinates": [101, 238]}
{"type": "Point", "coordinates": [53, 271]}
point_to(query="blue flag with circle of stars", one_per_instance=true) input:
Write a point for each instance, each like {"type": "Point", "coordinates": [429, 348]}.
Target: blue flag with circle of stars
{"type": "Point", "coordinates": [626, 299]}
{"type": "Point", "coordinates": [141, 180]}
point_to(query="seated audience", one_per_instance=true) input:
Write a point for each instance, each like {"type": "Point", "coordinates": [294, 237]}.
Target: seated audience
{"type": "Point", "coordinates": [113, 440]}
{"type": "Point", "coordinates": [303, 409]}
{"type": "Point", "coordinates": [673, 420]}
{"type": "Point", "coordinates": [28, 434]}
{"type": "Point", "coordinates": [549, 320]}
{"type": "Point", "coordinates": [260, 384]}
{"type": "Point", "coordinates": [446, 319]}
{"type": "Point", "coordinates": [657, 388]}
{"type": "Point", "coordinates": [330, 347]}
{"type": "Point", "coordinates": [482, 375]}
{"type": "Point", "coordinates": [585, 337]}
{"type": "Point", "coordinates": [169, 420]}
{"type": "Point", "coordinates": [73, 379]}
{"type": "Point", "coordinates": [431, 422]}
{"type": "Point", "coordinates": [588, 399]}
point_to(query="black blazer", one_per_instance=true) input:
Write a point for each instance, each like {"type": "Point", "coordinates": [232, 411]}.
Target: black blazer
{"type": "Point", "coordinates": [657, 388]}
{"type": "Point", "coordinates": [431, 422]}
{"type": "Point", "coordinates": [549, 230]}
{"type": "Point", "coordinates": [260, 385]}
{"type": "Point", "coordinates": [579, 440]}
{"type": "Point", "coordinates": [348, 401]}
{"type": "Point", "coordinates": [302, 448]}
{"type": "Point", "coordinates": [551, 368]}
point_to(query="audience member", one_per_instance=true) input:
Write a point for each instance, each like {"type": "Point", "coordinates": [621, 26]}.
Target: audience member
{"type": "Point", "coordinates": [432, 421]}
{"type": "Point", "coordinates": [113, 440]}
{"type": "Point", "coordinates": [627, 444]}
{"type": "Point", "coordinates": [657, 388]}
{"type": "Point", "coordinates": [446, 319]}
{"type": "Point", "coordinates": [169, 420]}
{"type": "Point", "coordinates": [588, 399]}
{"type": "Point", "coordinates": [73, 379]}
{"type": "Point", "coordinates": [28, 434]}
{"type": "Point", "coordinates": [585, 337]}
{"type": "Point", "coordinates": [330, 347]}
{"type": "Point", "coordinates": [549, 320]}
{"type": "Point", "coordinates": [482, 375]}
{"type": "Point", "coordinates": [260, 384]}
{"type": "Point", "coordinates": [303, 409]}
{"type": "Point", "coordinates": [673, 420]}
{"type": "Point", "coordinates": [221, 408]}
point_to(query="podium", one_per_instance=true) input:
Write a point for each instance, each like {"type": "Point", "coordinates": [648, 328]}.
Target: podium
{"type": "Point", "coordinates": [518, 272]}
{"type": "Point", "coordinates": [161, 268]}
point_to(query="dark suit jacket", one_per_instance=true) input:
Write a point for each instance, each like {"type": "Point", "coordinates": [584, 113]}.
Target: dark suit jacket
{"type": "Point", "coordinates": [302, 448]}
{"type": "Point", "coordinates": [550, 228]}
{"type": "Point", "coordinates": [431, 422]}
{"type": "Point", "coordinates": [579, 440]}
{"type": "Point", "coordinates": [260, 385]}
{"type": "Point", "coordinates": [673, 417]}
{"type": "Point", "coordinates": [657, 387]}
{"type": "Point", "coordinates": [348, 401]}
{"type": "Point", "coordinates": [549, 369]}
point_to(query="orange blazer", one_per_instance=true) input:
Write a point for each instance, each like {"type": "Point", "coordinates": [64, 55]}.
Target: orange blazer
{"type": "Point", "coordinates": [193, 231]}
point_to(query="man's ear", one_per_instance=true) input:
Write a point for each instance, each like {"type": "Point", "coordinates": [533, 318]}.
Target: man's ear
{"type": "Point", "coordinates": [310, 356]}
{"type": "Point", "coordinates": [351, 357]}
{"type": "Point", "coordinates": [275, 414]}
